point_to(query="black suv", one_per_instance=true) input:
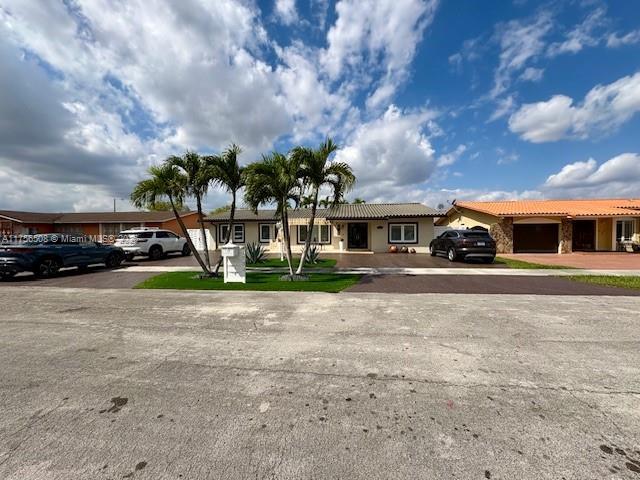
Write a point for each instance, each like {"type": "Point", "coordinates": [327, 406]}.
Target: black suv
{"type": "Point", "coordinates": [464, 244]}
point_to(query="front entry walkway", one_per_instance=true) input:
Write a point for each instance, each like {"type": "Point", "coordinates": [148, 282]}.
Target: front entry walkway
{"type": "Point", "coordinates": [588, 260]}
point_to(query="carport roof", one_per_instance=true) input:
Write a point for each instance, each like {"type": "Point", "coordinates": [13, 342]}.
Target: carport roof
{"type": "Point", "coordinates": [616, 207]}
{"type": "Point", "coordinates": [347, 211]}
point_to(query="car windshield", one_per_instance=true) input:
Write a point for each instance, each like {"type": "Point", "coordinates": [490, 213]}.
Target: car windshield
{"type": "Point", "coordinates": [476, 234]}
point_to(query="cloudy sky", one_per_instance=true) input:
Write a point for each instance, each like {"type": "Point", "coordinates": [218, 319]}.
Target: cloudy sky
{"type": "Point", "coordinates": [429, 100]}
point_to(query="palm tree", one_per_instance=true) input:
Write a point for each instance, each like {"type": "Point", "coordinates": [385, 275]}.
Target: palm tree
{"type": "Point", "coordinates": [316, 172]}
{"type": "Point", "coordinates": [324, 203]}
{"type": "Point", "coordinates": [275, 180]}
{"type": "Point", "coordinates": [227, 173]}
{"type": "Point", "coordinates": [198, 177]}
{"type": "Point", "coordinates": [165, 181]}
{"type": "Point", "coordinates": [358, 201]}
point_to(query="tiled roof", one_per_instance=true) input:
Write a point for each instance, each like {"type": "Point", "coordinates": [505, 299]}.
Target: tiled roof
{"type": "Point", "coordinates": [90, 217]}
{"type": "Point", "coordinates": [571, 208]}
{"type": "Point", "coordinates": [29, 217]}
{"type": "Point", "coordinates": [347, 211]}
{"type": "Point", "coordinates": [117, 217]}
{"type": "Point", "coordinates": [243, 215]}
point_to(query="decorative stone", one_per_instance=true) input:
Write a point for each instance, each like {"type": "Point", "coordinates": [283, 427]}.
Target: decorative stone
{"type": "Point", "coordinates": [502, 233]}
{"type": "Point", "coordinates": [566, 236]}
{"type": "Point", "coordinates": [413, 250]}
{"type": "Point", "coordinates": [404, 249]}
{"type": "Point", "coordinates": [393, 249]}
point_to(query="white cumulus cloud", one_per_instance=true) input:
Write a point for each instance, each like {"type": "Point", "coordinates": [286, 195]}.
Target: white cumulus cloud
{"type": "Point", "coordinates": [604, 108]}
{"type": "Point", "coordinates": [392, 150]}
{"type": "Point", "coordinates": [616, 177]}
{"type": "Point", "coordinates": [286, 11]}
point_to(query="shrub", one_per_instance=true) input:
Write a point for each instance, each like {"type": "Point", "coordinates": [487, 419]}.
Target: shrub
{"type": "Point", "coordinates": [312, 254]}
{"type": "Point", "coordinates": [255, 253]}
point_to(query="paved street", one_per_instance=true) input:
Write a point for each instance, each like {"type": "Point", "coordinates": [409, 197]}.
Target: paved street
{"type": "Point", "coordinates": [111, 384]}
{"type": "Point", "coordinates": [488, 284]}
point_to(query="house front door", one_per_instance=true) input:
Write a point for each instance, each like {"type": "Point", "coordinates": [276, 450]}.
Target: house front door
{"type": "Point", "coordinates": [584, 235]}
{"type": "Point", "coordinates": [358, 235]}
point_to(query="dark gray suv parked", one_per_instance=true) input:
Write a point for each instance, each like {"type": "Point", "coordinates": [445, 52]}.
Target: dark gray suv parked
{"type": "Point", "coordinates": [464, 244]}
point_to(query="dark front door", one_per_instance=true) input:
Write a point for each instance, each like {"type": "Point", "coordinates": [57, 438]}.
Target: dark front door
{"type": "Point", "coordinates": [584, 235]}
{"type": "Point", "coordinates": [358, 235]}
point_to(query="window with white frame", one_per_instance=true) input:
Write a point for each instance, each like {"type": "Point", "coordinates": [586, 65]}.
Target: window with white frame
{"type": "Point", "coordinates": [624, 230]}
{"type": "Point", "coordinates": [264, 230]}
{"type": "Point", "coordinates": [320, 234]}
{"type": "Point", "coordinates": [238, 232]}
{"type": "Point", "coordinates": [403, 233]}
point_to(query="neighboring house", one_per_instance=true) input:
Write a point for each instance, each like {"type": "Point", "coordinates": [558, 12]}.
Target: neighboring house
{"type": "Point", "coordinates": [551, 226]}
{"type": "Point", "coordinates": [103, 224]}
{"type": "Point", "coordinates": [347, 227]}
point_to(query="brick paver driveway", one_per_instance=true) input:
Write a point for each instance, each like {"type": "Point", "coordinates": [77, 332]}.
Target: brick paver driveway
{"type": "Point", "coordinates": [589, 260]}
{"type": "Point", "coordinates": [401, 260]}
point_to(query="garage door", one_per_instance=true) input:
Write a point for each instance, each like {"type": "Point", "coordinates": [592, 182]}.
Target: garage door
{"type": "Point", "coordinates": [535, 238]}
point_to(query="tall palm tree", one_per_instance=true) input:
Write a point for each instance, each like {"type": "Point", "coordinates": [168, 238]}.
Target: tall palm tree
{"type": "Point", "coordinates": [318, 171]}
{"type": "Point", "coordinates": [165, 181]}
{"type": "Point", "coordinates": [275, 180]}
{"type": "Point", "coordinates": [198, 177]}
{"type": "Point", "coordinates": [226, 172]}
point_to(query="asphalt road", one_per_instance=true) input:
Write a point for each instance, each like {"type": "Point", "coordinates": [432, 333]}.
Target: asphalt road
{"type": "Point", "coordinates": [484, 284]}
{"type": "Point", "coordinates": [111, 384]}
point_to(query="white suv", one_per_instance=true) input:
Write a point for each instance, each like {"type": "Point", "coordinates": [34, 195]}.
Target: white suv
{"type": "Point", "coordinates": [153, 243]}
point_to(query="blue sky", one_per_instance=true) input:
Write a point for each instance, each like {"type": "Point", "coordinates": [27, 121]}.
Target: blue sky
{"type": "Point", "coordinates": [429, 100]}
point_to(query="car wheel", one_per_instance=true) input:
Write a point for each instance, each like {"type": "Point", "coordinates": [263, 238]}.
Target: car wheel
{"type": "Point", "coordinates": [489, 260]}
{"type": "Point", "coordinates": [47, 267]}
{"type": "Point", "coordinates": [129, 257]}
{"type": "Point", "coordinates": [451, 255]}
{"type": "Point", "coordinates": [432, 251]}
{"type": "Point", "coordinates": [113, 260]}
{"type": "Point", "coordinates": [155, 252]}
{"type": "Point", "coordinates": [186, 251]}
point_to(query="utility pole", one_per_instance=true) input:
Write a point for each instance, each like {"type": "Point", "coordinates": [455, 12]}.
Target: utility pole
{"type": "Point", "coordinates": [114, 205]}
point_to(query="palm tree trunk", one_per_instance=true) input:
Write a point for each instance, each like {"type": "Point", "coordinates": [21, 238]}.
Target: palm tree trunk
{"type": "Point", "coordinates": [185, 232]}
{"type": "Point", "coordinates": [232, 214]}
{"type": "Point", "coordinates": [202, 229]}
{"type": "Point", "coordinates": [307, 242]}
{"type": "Point", "coordinates": [287, 239]}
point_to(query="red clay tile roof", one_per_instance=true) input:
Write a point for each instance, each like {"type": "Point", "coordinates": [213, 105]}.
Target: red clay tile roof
{"type": "Point", "coordinates": [571, 208]}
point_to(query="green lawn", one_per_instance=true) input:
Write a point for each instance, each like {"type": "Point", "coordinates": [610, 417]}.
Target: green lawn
{"type": "Point", "coordinates": [318, 282]}
{"type": "Point", "coordinates": [511, 263]}
{"type": "Point", "coordinates": [274, 262]}
{"type": "Point", "coordinates": [608, 280]}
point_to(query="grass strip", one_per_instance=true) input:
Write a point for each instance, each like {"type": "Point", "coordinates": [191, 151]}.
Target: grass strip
{"type": "Point", "coordinates": [257, 281]}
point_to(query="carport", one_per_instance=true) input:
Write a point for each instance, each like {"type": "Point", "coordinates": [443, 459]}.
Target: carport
{"type": "Point", "coordinates": [535, 238]}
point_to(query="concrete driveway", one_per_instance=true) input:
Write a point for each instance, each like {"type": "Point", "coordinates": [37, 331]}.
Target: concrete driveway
{"type": "Point", "coordinates": [105, 384]}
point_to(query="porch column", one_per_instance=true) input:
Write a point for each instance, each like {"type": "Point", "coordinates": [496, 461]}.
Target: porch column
{"type": "Point", "coordinates": [502, 233]}
{"type": "Point", "coordinates": [566, 236]}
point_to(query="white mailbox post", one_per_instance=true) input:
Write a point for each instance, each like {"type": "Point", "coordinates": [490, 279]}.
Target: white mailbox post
{"type": "Point", "coordinates": [234, 263]}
